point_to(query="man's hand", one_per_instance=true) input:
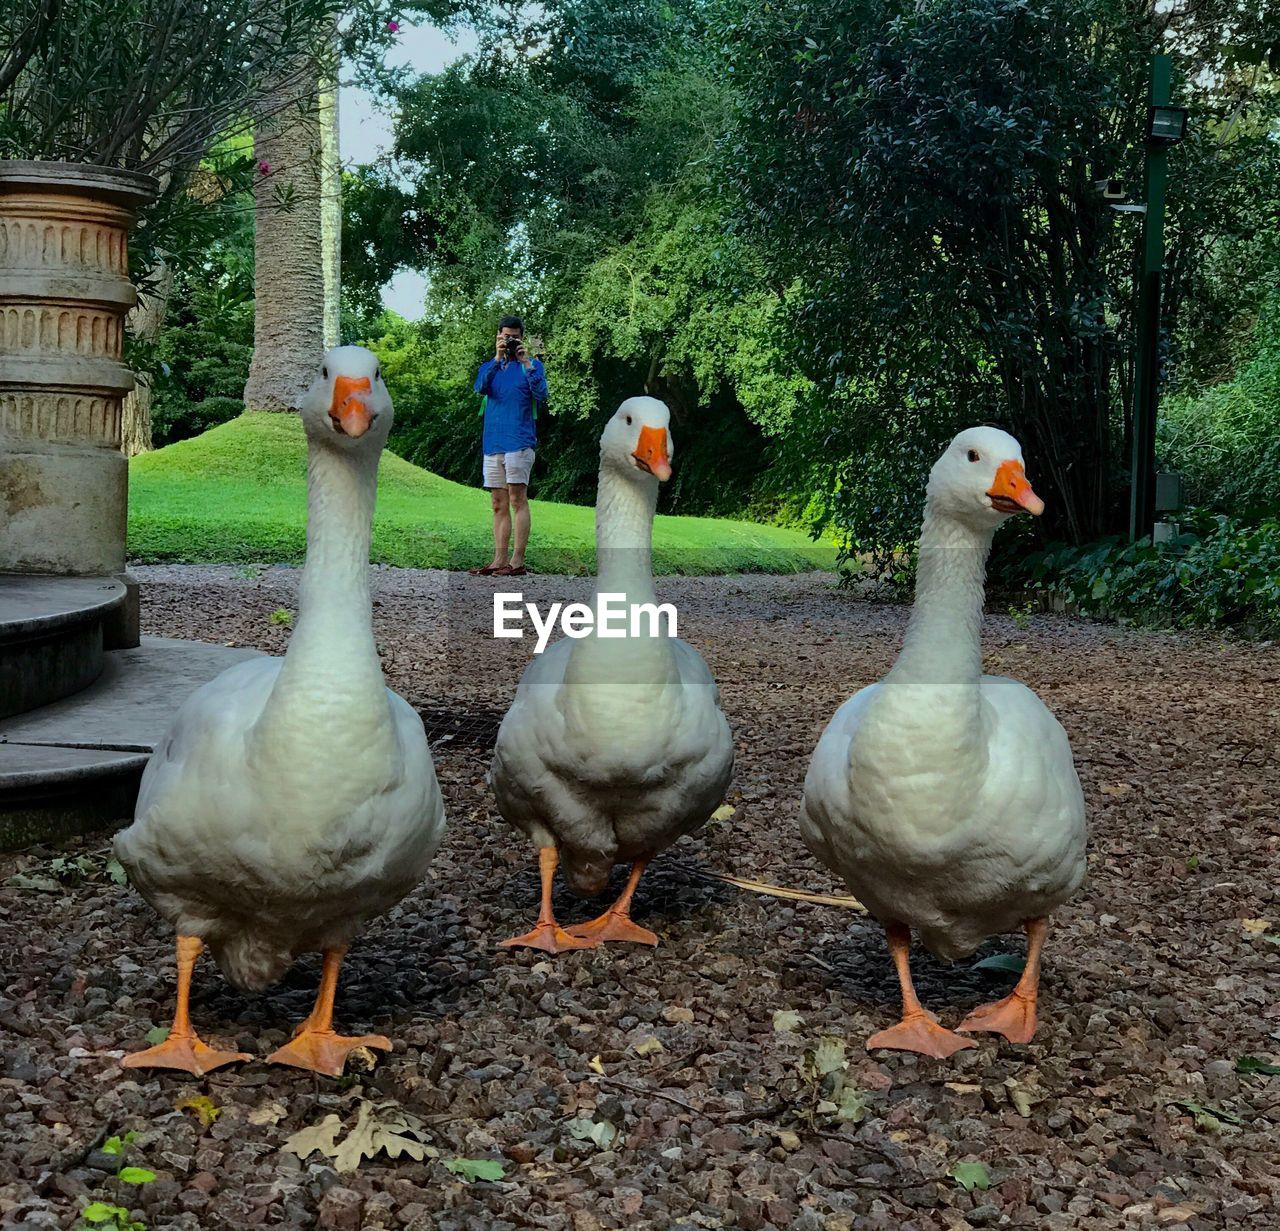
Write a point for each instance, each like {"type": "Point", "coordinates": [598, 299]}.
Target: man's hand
{"type": "Point", "coordinates": [500, 348]}
{"type": "Point", "coordinates": [522, 354]}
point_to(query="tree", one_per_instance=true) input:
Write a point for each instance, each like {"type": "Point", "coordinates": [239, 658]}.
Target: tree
{"type": "Point", "coordinates": [298, 205]}
{"type": "Point", "coordinates": [289, 256]}
{"type": "Point", "coordinates": [924, 172]}
{"type": "Point", "coordinates": [570, 172]}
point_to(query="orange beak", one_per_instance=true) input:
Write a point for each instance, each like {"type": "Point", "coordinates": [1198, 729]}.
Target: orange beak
{"type": "Point", "coordinates": [349, 408]}
{"type": "Point", "coordinates": [1011, 493]}
{"type": "Point", "coordinates": [651, 452]}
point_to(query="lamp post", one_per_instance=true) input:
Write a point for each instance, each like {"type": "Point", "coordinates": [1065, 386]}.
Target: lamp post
{"type": "Point", "coordinates": [1166, 126]}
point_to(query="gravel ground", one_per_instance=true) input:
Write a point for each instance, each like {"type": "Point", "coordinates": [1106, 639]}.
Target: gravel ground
{"type": "Point", "coordinates": [1126, 1111]}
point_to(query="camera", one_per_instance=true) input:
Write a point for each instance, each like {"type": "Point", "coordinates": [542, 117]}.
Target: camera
{"type": "Point", "coordinates": [512, 347]}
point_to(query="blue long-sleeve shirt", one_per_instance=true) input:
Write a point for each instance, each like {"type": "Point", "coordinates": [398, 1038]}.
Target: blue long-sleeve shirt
{"type": "Point", "coordinates": [510, 393]}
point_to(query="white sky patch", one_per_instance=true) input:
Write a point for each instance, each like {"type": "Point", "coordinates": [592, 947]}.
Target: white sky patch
{"type": "Point", "coordinates": [365, 131]}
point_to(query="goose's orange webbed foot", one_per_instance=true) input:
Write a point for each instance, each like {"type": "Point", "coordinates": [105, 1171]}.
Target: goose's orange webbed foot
{"type": "Point", "coordinates": [183, 1049]}
{"type": "Point", "coordinates": [185, 1052]}
{"type": "Point", "coordinates": [324, 1052]}
{"type": "Point", "coordinates": [920, 1033]}
{"type": "Point", "coordinates": [616, 922]}
{"type": "Point", "coordinates": [1015, 1015]}
{"type": "Point", "coordinates": [548, 936]}
{"type": "Point", "coordinates": [612, 925]}
{"type": "Point", "coordinates": [314, 1045]}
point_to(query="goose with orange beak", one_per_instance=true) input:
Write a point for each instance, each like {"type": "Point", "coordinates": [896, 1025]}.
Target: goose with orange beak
{"type": "Point", "coordinates": [294, 798]}
{"type": "Point", "coordinates": [946, 799]}
{"type": "Point", "coordinates": [615, 745]}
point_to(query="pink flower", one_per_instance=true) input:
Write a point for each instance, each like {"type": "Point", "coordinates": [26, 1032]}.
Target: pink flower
{"type": "Point", "coordinates": [393, 27]}
{"type": "Point", "coordinates": [265, 168]}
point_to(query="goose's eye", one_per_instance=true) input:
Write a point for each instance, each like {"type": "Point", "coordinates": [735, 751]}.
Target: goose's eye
{"type": "Point", "coordinates": [628, 420]}
{"type": "Point", "coordinates": [974, 455]}
{"type": "Point", "coordinates": [377, 374]}
{"type": "Point", "coordinates": [324, 372]}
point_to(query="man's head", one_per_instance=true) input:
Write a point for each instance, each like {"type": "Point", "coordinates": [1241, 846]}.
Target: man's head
{"type": "Point", "coordinates": [511, 327]}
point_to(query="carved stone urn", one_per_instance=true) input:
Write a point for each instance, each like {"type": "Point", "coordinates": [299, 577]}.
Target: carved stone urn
{"type": "Point", "coordinates": [64, 295]}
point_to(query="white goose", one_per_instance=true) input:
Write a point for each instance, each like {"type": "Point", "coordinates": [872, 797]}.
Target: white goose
{"type": "Point", "coordinates": [293, 799]}
{"type": "Point", "coordinates": [614, 746]}
{"type": "Point", "coordinates": [947, 799]}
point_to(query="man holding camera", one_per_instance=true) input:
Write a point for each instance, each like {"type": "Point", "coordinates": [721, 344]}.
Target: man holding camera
{"type": "Point", "coordinates": [512, 383]}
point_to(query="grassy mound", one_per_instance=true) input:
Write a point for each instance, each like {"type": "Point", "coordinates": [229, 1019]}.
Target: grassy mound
{"type": "Point", "coordinates": [237, 494]}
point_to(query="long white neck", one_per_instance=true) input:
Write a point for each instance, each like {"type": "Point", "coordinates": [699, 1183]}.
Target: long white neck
{"type": "Point", "coordinates": [624, 535]}
{"type": "Point", "coordinates": [624, 565]}
{"type": "Point", "coordinates": [943, 645]}
{"type": "Point", "coordinates": [331, 669]}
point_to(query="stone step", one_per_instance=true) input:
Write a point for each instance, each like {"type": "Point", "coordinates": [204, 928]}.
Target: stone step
{"type": "Point", "coordinates": [53, 632]}
{"type": "Point", "coordinates": [75, 765]}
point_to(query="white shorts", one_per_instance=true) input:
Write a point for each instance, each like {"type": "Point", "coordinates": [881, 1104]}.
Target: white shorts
{"type": "Point", "coordinates": [503, 469]}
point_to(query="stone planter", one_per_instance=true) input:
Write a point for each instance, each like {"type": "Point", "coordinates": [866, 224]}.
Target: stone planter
{"type": "Point", "coordinates": [64, 295]}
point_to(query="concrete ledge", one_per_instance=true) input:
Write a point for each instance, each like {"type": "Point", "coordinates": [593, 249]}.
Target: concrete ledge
{"type": "Point", "coordinates": [47, 794]}
{"type": "Point", "coordinates": [74, 766]}
{"type": "Point", "coordinates": [52, 636]}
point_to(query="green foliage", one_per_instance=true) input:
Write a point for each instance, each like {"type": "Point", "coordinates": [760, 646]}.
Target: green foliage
{"type": "Point", "coordinates": [1252, 1064]}
{"type": "Point", "coordinates": [139, 83]}
{"type": "Point", "coordinates": [473, 1169]}
{"type": "Point", "coordinates": [570, 173]}
{"type": "Point", "coordinates": [970, 1176]}
{"type": "Point", "coordinates": [136, 1175]}
{"type": "Point", "coordinates": [116, 1145]}
{"type": "Point", "coordinates": [1220, 574]}
{"type": "Point", "coordinates": [172, 420]}
{"type": "Point", "coordinates": [200, 360]}
{"type": "Point", "coordinates": [923, 175]}
{"type": "Point", "coordinates": [238, 494]}
{"type": "Point", "coordinates": [437, 422]}
{"type": "Point", "coordinates": [1226, 441]}
{"type": "Point", "coordinates": [98, 1215]}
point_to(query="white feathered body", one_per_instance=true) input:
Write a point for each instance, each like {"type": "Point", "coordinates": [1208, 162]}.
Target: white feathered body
{"type": "Point", "coordinates": [267, 846]}
{"type": "Point", "coordinates": [615, 761]}
{"type": "Point", "coordinates": [294, 798]}
{"type": "Point", "coordinates": [956, 811]}
{"type": "Point", "coordinates": [615, 746]}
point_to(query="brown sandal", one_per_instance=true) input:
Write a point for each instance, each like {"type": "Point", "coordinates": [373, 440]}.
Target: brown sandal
{"type": "Point", "coordinates": [508, 570]}
{"type": "Point", "coordinates": [487, 571]}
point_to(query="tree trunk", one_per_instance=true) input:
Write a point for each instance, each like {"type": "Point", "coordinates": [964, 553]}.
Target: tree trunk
{"type": "Point", "coordinates": [145, 323]}
{"type": "Point", "coordinates": [331, 210]}
{"type": "Point", "coordinates": [289, 273]}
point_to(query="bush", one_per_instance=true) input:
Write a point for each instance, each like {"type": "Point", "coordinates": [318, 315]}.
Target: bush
{"type": "Point", "coordinates": [173, 420]}
{"type": "Point", "coordinates": [1226, 441]}
{"type": "Point", "coordinates": [1219, 574]}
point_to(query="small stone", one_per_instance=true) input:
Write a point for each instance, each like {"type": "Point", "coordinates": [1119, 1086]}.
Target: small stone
{"type": "Point", "coordinates": [982, 1214]}
{"type": "Point", "coordinates": [99, 1160]}
{"type": "Point", "coordinates": [340, 1210]}
{"type": "Point", "coordinates": [677, 1015]}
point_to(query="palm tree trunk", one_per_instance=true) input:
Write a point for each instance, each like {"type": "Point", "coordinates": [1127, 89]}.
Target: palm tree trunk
{"type": "Point", "coordinates": [289, 273]}
{"type": "Point", "coordinates": [330, 210]}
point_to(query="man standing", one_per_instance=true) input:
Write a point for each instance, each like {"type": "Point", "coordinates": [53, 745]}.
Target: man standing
{"type": "Point", "coordinates": [513, 383]}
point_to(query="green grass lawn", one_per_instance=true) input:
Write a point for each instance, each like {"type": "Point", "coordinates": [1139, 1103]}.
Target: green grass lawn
{"type": "Point", "coordinates": [237, 494]}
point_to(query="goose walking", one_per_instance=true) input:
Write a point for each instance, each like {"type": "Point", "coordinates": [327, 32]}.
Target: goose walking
{"type": "Point", "coordinates": [293, 799]}
{"type": "Point", "coordinates": [615, 746]}
{"type": "Point", "coordinates": [946, 799]}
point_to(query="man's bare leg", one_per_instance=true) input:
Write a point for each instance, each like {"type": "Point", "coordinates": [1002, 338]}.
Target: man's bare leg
{"type": "Point", "coordinates": [501, 526]}
{"type": "Point", "coordinates": [518, 495]}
